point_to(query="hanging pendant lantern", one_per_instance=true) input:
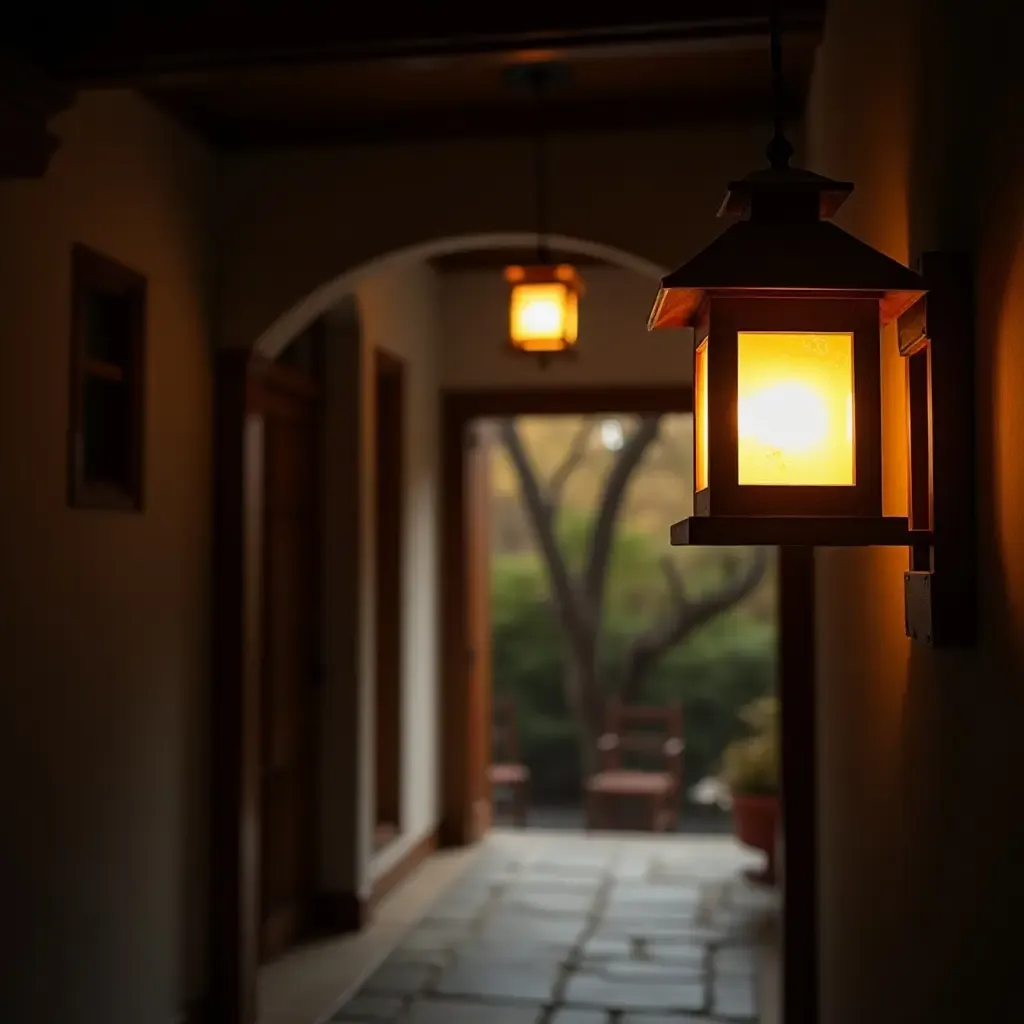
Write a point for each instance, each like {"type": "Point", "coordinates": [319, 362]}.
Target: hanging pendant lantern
{"type": "Point", "coordinates": [544, 307]}
{"type": "Point", "coordinates": [544, 297]}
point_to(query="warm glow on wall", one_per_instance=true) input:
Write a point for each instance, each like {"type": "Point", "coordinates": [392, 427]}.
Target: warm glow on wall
{"type": "Point", "coordinates": [700, 416]}
{"type": "Point", "coordinates": [543, 308]}
{"type": "Point", "coordinates": [795, 409]}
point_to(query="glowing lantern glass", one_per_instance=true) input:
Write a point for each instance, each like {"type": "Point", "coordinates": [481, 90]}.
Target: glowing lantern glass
{"type": "Point", "coordinates": [786, 310]}
{"type": "Point", "coordinates": [544, 308]}
{"type": "Point", "coordinates": [794, 409]}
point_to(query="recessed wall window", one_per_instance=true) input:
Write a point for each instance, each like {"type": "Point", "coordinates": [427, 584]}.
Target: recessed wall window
{"type": "Point", "coordinates": [108, 328]}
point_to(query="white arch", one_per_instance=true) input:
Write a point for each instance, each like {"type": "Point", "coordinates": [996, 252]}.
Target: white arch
{"type": "Point", "coordinates": [277, 336]}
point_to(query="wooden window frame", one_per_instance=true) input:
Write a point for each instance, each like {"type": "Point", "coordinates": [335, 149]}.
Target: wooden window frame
{"type": "Point", "coordinates": [91, 271]}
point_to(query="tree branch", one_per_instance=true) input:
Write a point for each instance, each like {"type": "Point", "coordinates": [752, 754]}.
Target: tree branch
{"type": "Point", "coordinates": [686, 616]}
{"type": "Point", "coordinates": [573, 458]}
{"type": "Point", "coordinates": [595, 575]}
{"type": "Point", "coordinates": [541, 513]}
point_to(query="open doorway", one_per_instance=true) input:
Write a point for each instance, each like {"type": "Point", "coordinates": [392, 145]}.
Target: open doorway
{"type": "Point", "coordinates": [663, 890]}
{"type": "Point", "coordinates": [390, 490]}
{"type": "Point", "coordinates": [629, 678]}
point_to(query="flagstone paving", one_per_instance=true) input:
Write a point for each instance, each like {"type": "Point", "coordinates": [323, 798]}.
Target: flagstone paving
{"type": "Point", "coordinates": [571, 929]}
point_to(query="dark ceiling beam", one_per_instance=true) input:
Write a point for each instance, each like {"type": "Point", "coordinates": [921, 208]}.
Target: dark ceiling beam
{"type": "Point", "coordinates": [123, 45]}
{"type": "Point", "coordinates": [798, 37]}
{"type": "Point", "coordinates": [263, 134]}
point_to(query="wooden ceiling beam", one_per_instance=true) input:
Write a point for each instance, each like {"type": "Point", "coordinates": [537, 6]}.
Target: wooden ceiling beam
{"type": "Point", "coordinates": [257, 133]}
{"type": "Point", "coordinates": [127, 45]}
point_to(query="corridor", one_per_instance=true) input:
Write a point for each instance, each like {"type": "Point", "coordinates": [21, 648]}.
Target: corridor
{"type": "Point", "coordinates": [548, 928]}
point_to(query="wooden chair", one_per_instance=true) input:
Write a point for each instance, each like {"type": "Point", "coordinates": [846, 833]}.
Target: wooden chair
{"type": "Point", "coordinates": [507, 770]}
{"type": "Point", "coordinates": [652, 736]}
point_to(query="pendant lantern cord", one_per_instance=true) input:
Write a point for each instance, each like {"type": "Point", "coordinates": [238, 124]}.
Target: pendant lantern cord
{"type": "Point", "coordinates": [541, 165]}
{"type": "Point", "coordinates": [780, 151]}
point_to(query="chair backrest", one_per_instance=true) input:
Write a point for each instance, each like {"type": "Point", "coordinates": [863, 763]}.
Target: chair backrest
{"type": "Point", "coordinates": [505, 742]}
{"type": "Point", "coordinates": [642, 738]}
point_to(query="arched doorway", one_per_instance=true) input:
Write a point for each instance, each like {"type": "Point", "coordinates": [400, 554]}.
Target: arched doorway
{"type": "Point", "coordinates": [250, 403]}
{"type": "Point", "coordinates": [240, 475]}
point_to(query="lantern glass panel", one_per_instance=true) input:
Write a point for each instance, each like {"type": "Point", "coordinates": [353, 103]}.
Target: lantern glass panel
{"type": "Point", "coordinates": [700, 416]}
{"type": "Point", "coordinates": [795, 408]}
{"type": "Point", "coordinates": [543, 316]}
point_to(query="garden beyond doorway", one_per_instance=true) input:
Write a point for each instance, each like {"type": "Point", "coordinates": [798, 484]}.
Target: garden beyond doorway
{"type": "Point", "coordinates": [593, 612]}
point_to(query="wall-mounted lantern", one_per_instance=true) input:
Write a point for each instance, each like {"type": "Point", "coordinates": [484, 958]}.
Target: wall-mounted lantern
{"type": "Point", "coordinates": [544, 307]}
{"type": "Point", "coordinates": [544, 300]}
{"type": "Point", "coordinates": [786, 310]}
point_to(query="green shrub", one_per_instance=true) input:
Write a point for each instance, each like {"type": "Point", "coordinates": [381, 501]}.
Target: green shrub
{"type": "Point", "coordinates": [715, 672]}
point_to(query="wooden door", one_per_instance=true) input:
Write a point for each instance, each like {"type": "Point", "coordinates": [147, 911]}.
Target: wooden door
{"type": "Point", "coordinates": [290, 656]}
{"type": "Point", "coordinates": [390, 520]}
{"type": "Point", "coordinates": [478, 624]}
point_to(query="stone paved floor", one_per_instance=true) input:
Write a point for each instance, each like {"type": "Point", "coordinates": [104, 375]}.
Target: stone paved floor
{"type": "Point", "coordinates": [545, 928]}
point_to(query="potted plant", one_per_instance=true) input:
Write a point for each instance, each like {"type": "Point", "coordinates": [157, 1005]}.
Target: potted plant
{"type": "Point", "coordinates": [750, 771]}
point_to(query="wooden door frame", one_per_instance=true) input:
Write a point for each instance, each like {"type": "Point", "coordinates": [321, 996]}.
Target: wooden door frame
{"type": "Point", "coordinates": [796, 661]}
{"type": "Point", "coordinates": [234, 903]}
{"type": "Point", "coordinates": [389, 630]}
{"type": "Point", "coordinates": [459, 408]}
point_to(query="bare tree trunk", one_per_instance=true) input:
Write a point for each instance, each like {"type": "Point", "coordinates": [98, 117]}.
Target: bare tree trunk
{"type": "Point", "coordinates": [582, 687]}
{"type": "Point", "coordinates": [578, 598]}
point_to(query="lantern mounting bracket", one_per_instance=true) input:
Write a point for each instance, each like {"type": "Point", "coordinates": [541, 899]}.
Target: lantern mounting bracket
{"type": "Point", "coordinates": [809, 531]}
{"type": "Point", "coordinates": [936, 338]}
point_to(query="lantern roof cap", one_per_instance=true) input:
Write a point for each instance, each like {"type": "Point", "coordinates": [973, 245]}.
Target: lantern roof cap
{"type": "Point", "coordinates": [784, 245]}
{"type": "Point", "coordinates": [780, 183]}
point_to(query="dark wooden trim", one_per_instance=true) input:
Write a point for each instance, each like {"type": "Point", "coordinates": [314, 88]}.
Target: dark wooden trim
{"type": "Point", "coordinates": [799, 769]}
{"type": "Point", "coordinates": [242, 398]}
{"type": "Point", "coordinates": [348, 911]}
{"type": "Point", "coordinates": [459, 408]}
{"type": "Point", "coordinates": [234, 912]}
{"type": "Point", "coordinates": [256, 134]}
{"type": "Point", "coordinates": [107, 48]}
{"type": "Point", "coordinates": [937, 341]}
{"type": "Point", "coordinates": [455, 826]}
{"type": "Point", "coordinates": [91, 272]}
{"type": "Point", "coordinates": [390, 420]}
{"type": "Point", "coordinates": [385, 884]}
{"type": "Point", "coordinates": [816, 531]}
{"type": "Point", "coordinates": [338, 913]}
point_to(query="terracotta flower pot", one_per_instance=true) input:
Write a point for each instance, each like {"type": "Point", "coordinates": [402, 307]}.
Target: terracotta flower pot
{"type": "Point", "coordinates": [755, 820]}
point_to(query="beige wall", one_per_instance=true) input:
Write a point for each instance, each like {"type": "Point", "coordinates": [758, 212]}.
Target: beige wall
{"type": "Point", "coordinates": [104, 626]}
{"type": "Point", "coordinates": [397, 312]}
{"type": "Point", "coordinates": [104, 616]}
{"type": "Point", "coordinates": [922, 893]}
{"type": "Point", "coordinates": [614, 347]}
{"type": "Point", "coordinates": [296, 220]}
